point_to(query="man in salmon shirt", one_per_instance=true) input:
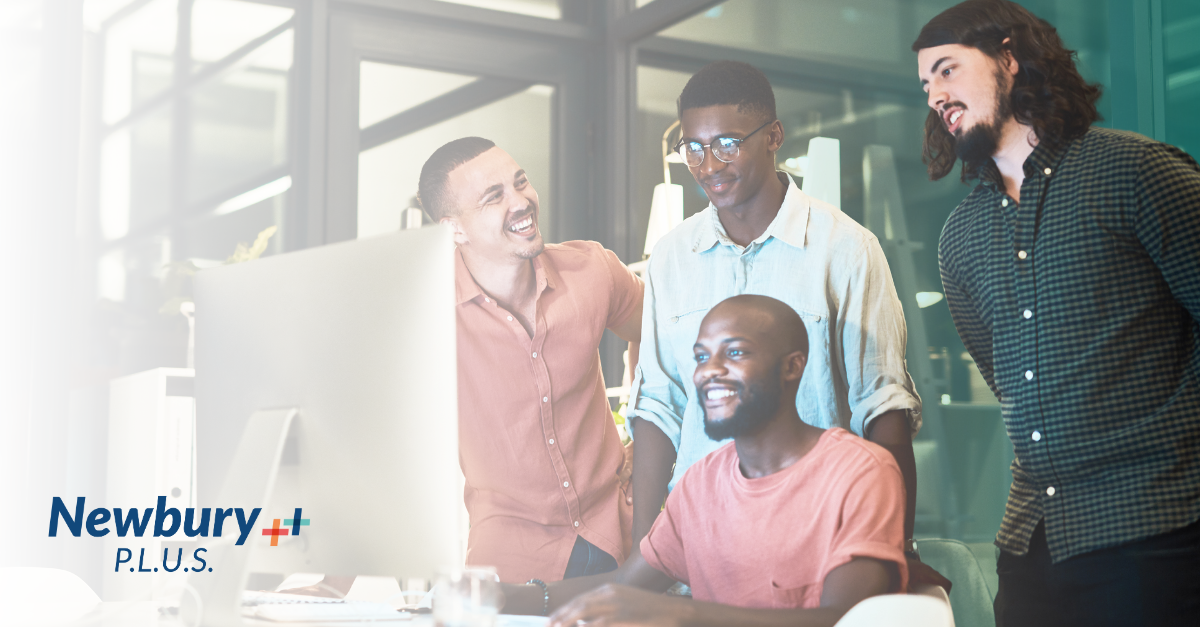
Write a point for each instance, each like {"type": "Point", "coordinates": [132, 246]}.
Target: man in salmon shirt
{"type": "Point", "coordinates": [721, 533]}
{"type": "Point", "coordinates": [546, 477]}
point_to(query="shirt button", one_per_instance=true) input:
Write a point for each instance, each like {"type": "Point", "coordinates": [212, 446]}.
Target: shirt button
{"type": "Point", "coordinates": [510, 318]}
{"type": "Point", "coordinates": [566, 484]}
{"type": "Point", "coordinates": [1029, 375]}
{"type": "Point", "coordinates": [1020, 255]}
{"type": "Point", "coordinates": [1028, 314]}
{"type": "Point", "coordinates": [552, 440]}
{"type": "Point", "coordinates": [1004, 203]}
{"type": "Point", "coordinates": [1050, 491]}
{"type": "Point", "coordinates": [535, 355]}
{"type": "Point", "coordinates": [486, 299]}
{"type": "Point", "coordinates": [1047, 171]}
{"type": "Point", "coordinates": [545, 399]}
{"type": "Point", "coordinates": [674, 319]}
{"type": "Point", "coordinates": [577, 523]}
{"type": "Point", "coordinates": [1037, 436]}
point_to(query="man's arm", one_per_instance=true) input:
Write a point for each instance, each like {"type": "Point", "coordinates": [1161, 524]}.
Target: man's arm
{"type": "Point", "coordinates": [653, 461]}
{"type": "Point", "coordinates": [845, 586]}
{"type": "Point", "coordinates": [656, 403]}
{"type": "Point", "coordinates": [1168, 192]}
{"type": "Point", "coordinates": [892, 431]}
{"type": "Point", "coordinates": [635, 572]}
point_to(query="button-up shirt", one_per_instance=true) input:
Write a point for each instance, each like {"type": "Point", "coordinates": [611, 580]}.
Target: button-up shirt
{"type": "Point", "coordinates": [813, 257]}
{"type": "Point", "coordinates": [1081, 307]}
{"type": "Point", "coordinates": [537, 442]}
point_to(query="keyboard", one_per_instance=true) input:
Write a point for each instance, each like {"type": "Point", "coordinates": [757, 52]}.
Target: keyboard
{"type": "Point", "coordinates": [337, 611]}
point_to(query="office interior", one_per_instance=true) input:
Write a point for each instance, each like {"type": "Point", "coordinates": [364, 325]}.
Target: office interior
{"type": "Point", "coordinates": [147, 140]}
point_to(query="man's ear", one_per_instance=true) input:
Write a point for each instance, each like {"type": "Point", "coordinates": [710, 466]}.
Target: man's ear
{"type": "Point", "coordinates": [793, 366]}
{"type": "Point", "coordinates": [1007, 59]}
{"type": "Point", "coordinates": [775, 135]}
{"type": "Point", "coordinates": [460, 236]}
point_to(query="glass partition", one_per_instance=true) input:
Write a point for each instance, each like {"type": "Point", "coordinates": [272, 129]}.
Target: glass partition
{"type": "Point", "coordinates": [388, 173]}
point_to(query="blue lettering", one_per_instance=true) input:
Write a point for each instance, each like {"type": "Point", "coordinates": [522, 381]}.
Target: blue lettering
{"type": "Point", "coordinates": [178, 560]}
{"type": "Point", "coordinates": [196, 556]}
{"type": "Point", "coordinates": [244, 526]}
{"type": "Point", "coordinates": [161, 513]}
{"type": "Point", "coordinates": [128, 556]}
{"type": "Point", "coordinates": [139, 526]}
{"type": "Point", "coordinates": [194, 531]}
{"type": "Point", "coordinates": [222, 514]}
{"type": "Point", "coordinates": [98, 517]}
{"type": "Point", "coordinates": [58, 508]}
{"type": "Point", "coordinates": [142, 556]}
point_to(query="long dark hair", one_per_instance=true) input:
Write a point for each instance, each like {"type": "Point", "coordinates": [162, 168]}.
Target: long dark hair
{"type": "Point", "coordinates": [1048, 93]}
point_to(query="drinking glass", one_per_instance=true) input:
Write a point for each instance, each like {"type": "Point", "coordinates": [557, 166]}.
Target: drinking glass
{"type": "Point", "coordinates": [468, 597]}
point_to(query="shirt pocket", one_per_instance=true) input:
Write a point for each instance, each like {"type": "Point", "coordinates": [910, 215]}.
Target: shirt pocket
{"type": "Point", "coordinates": [786, 593]}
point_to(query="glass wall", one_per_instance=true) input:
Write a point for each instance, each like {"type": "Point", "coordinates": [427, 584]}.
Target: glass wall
{"type": "Point", "coordinates": [192, 147]}
{"type": "Point", "coordinates": [388, 173]}
{"type": "Point", "coordinates": [1181, 43]}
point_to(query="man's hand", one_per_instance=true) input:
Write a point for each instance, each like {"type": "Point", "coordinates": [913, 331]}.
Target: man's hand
{"type": "Point", "coordinates": [920, 573]}
{"type": "Point", "coordinates": [615, 604]}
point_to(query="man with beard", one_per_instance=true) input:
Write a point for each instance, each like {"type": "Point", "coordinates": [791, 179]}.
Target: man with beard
{"type": "Point", "coordinates": [787, 524]}
{"type": "Point", "coordinates": [544, 466]}
{"type": "Point", "coordinates": [1072, 271]}
{"type": "Point", "coordinates": [762, 235]}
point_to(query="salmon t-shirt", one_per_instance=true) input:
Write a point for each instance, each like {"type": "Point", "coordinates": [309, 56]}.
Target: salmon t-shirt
{"type": "Point", "coordinates": [770, 542]}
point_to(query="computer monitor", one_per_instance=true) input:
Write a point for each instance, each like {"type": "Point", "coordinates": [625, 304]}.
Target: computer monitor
{"type": "Point", "coordinates": [358, 338]}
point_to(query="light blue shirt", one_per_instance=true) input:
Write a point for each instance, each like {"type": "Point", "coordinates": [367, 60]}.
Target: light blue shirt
{"type": "Point", "coordinates": [813, 257]}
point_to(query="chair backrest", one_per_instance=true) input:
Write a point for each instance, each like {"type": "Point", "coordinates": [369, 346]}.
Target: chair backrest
{"type": "Point", "coordinates": [901, 610]}
{"type": "Point", "coordinates": [43, 596]}
{"type": "Point", "coordinates": [973, 591]}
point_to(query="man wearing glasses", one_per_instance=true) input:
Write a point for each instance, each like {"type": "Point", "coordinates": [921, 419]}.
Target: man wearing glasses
{"type": "Point", "coordinates": [762, 235]}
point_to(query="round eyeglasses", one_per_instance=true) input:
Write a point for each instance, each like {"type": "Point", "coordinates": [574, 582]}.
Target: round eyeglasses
{"type": "Point", "coordinates": [725, 149]}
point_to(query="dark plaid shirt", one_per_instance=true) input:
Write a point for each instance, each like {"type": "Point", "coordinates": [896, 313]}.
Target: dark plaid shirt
{"type": "Point", "coordinates": [1081, 307]}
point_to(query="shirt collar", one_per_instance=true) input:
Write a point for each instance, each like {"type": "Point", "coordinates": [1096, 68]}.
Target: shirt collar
{"type": "Point", "coordinates": [466, 289]}
{"type": "Point", "coordinates": [789, 225]}
{"type": "Point", "coordinates": [1046, 155]}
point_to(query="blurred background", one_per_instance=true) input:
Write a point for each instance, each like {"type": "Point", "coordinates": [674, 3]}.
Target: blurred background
{"type": "Point", "coordinates": [144, 140]}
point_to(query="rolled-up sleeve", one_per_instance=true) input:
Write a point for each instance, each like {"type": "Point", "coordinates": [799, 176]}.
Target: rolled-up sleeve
{"type": "Point", "coordinates": [657, 392]}
{"type": "Point", "coordinates": [873, 340]}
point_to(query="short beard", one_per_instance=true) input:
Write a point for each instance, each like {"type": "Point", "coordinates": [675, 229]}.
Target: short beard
{"type": "Point", "coordinates": [980, 143]}
{"type": "Point", "coordinates": [759, 402]}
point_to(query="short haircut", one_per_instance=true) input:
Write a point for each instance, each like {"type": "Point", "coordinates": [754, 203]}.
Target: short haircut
{"type": "Point", "coordinates": [729, 83]}
{"type": "Point", "coordinates": [1048, 93]}
{"type": "Point", "coordinates": [431, 188]}
{"type": "Point", "coordinates": [787, 329]}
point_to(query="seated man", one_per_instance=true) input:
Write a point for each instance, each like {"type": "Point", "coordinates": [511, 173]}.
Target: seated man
{"type": "Point", "coordinates": [787, 523]}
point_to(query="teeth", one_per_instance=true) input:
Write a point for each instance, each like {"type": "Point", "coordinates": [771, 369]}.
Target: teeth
{"type": "Point", "coordinates": [954, 116]}
{"type": "Point", "coordinates": [716, 394]}
{"type": "Point", "coordinates": [522, 225]}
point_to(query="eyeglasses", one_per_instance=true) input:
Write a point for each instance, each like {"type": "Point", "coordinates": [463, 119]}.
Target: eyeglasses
{"type": "Point", "coordinates": [725, 149]}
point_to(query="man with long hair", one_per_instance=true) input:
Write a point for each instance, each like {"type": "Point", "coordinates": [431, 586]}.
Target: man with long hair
{"type": "Point", "coordinates": [1072, 271]}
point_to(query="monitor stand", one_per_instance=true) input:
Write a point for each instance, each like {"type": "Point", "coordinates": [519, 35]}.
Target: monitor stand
{"type": "Point", "coordinates": [214, 599]}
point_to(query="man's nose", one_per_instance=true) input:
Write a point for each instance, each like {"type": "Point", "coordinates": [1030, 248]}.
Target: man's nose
{"type": "Point", "coordinates": [711, 163]}
{"type": "Point", "coordinates": [937, 98]}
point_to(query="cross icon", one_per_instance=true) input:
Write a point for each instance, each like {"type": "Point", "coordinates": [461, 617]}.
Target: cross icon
{"type": "Point", "coordinates": [296, 522]}
{"type": "Point", "coordinates": [275, 532]}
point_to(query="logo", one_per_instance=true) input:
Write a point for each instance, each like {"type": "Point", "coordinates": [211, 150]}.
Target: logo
{"type": "Point", "coordinates": [167, 522]}
{"type": "Point", "coordinates": [275, 531]}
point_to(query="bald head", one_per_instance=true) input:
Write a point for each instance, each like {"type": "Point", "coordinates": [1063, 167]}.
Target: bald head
{"type": "Point", "coordinates": [765, 318]}
{"type": "Point", "coordinates": [750, 357]}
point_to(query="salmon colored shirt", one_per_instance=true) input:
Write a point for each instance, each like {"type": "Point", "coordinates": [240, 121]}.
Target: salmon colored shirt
{"type": "Point", "coordinates": [770, 542]}
{"type": "Point", "coordinates": [537, 443]}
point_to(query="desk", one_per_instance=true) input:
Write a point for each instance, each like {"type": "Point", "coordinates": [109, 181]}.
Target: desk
{"type": "Point", "coordinates": [146, 614]}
